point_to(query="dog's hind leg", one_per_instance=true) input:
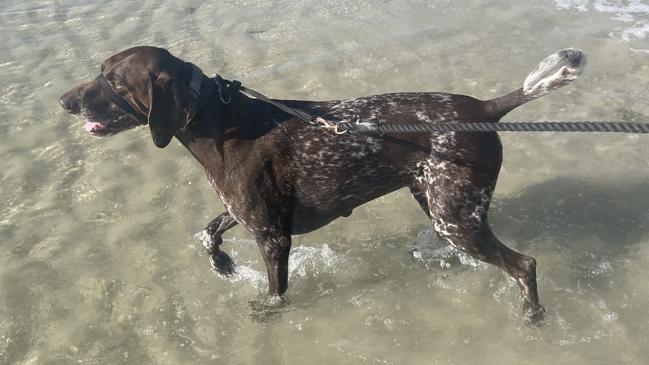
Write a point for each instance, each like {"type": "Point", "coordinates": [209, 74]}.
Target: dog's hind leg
{"type": "Point", "coordinates": [211, 238]}
{"type": "Point", "coordinates": [459, 199]}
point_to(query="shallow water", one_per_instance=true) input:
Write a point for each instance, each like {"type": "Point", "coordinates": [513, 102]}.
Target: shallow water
{"type": "Point", "coordinates": [99, 263]}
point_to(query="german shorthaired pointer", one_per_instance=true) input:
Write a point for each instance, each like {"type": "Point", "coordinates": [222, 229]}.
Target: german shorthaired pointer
{"type": "Point", "coordinates": [277, 175]}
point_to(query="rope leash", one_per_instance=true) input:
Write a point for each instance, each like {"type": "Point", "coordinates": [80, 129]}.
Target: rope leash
{"type": "Point", "coordinates": [378, 129]}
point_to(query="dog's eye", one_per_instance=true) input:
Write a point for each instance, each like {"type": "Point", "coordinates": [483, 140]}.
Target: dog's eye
{"type": "Point", "coordinates": [118, 84]}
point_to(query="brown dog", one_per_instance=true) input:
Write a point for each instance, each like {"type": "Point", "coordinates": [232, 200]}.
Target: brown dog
{"type": "Point", "coordinates": [277, 175]}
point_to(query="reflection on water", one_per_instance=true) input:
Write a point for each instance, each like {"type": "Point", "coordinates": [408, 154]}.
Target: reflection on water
{"type": "Point", "coordinates": [99, 264]}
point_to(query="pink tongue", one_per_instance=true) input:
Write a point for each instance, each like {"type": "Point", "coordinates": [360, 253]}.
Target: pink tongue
{"type": "Point", "coordinates": [92, 125]}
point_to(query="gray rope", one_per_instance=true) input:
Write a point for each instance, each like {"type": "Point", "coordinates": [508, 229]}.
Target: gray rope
{"type": "Point", "coordinates": [542, 126]}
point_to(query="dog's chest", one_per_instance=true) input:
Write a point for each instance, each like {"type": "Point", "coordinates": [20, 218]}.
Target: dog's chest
{"type": "Point", "coordinates": [233, 203]}
{"type": "Point", "coordinates": [250, 219]}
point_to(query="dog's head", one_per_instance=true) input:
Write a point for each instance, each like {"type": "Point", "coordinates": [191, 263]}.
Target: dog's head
{"type": "Point", "coordinates": [137, 86]}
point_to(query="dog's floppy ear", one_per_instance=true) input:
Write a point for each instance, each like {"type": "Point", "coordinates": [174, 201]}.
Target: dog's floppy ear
{"type": "Point", "coordinates": [167, 108]}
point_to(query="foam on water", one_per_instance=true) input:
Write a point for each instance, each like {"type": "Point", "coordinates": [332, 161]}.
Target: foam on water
{"type": "Point", "coordinates": [429, 248]}
{"type": "Point", "coordinates": [633, 13]}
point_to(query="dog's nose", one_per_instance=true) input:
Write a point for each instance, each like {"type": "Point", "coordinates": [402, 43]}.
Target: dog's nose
{"type": "Point", "coordinates": [70, 104]}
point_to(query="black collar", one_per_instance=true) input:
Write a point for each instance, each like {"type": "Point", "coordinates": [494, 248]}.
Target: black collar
{"type": "Point", "coordinates": [224, 91]}
{"type": "Point", "coordinates": [194, 92]}
{"type": "Point", "coordinates": [194, 89]}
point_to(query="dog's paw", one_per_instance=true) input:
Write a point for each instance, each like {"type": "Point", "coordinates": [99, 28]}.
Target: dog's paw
{"type": "Point", "coordinates": [268, 309]}
{"type": "Point", "coordinates": [222, 263]}
{"type": "Point", "coordinates": [534, 316]}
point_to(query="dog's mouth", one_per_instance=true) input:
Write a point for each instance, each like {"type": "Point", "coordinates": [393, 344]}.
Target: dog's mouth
{"type": "Point", "coordinates": [98, 129]}
{"type": "Point", "coordinates": [107, 126]}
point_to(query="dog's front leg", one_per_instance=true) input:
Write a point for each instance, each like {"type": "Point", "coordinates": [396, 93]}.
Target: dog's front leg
{"type": "Point", "coordinates": [211, 238]}
{"type": "Point", "coordinates": [275, 251]}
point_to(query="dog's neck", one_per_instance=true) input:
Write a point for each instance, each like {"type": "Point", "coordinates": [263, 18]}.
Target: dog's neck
{"type": "Point", "coordinates": [218, 126]}
{"type": "Point", "coordinates": [223, 134]}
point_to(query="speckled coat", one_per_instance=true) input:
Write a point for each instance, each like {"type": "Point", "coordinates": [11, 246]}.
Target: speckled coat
{"type": "Point", "coordinates": [277, 175]}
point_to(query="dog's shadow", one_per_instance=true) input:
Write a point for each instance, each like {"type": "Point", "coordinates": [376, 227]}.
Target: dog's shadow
{"type": "Point", "coordinates": [568, 210]}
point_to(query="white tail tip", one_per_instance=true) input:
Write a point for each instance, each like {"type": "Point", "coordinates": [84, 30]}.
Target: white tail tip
{"type": "Point", "coordinates": [555, 71]}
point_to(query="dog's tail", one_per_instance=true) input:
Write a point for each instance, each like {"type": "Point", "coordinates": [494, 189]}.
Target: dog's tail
{"type": "Point", "coordinates": [557, 70]}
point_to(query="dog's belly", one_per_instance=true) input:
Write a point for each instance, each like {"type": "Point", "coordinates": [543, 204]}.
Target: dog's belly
{"type": "Point", "coordinates": [312, 210]}
{"type": "Point", "coordinates": [333, 174]}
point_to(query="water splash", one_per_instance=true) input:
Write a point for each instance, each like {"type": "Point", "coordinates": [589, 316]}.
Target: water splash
{"type": "Point", "coordinates": [429, 248]}
{"type": "Point", "coordinates": [303, 261]}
